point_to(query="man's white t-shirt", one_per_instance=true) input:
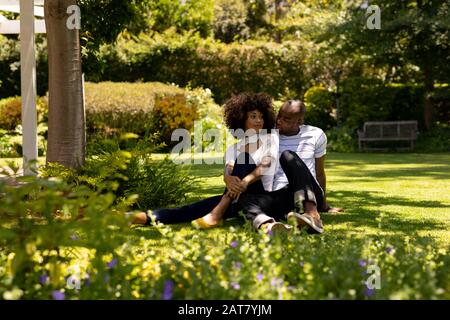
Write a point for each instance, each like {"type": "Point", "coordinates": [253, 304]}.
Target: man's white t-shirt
{"type": "Point", "coordinates": [268, 147]}
{"type": "Point", "coordinates": [310, 143]}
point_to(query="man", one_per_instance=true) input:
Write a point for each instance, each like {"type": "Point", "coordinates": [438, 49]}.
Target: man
{"type": "Point", "coordinates": [300, 146]}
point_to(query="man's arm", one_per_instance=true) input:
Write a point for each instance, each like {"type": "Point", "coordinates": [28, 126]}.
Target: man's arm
{"type": "Point", "coordinates": [322, 179]}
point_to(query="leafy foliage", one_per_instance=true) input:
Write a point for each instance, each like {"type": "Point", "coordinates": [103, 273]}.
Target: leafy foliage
{"type": "Point", "coordinates": [10, 66]}
{"type": "Point", "coordinates": [277, 69]}
{"type": "Point", "coordinates": [127, 169]}
{"type": "Point", "coordinates": [230, 19]}
{"type": "Point", "coordinates": [141, 108]}
{"type": "Point", "coordinates": [319, 105]}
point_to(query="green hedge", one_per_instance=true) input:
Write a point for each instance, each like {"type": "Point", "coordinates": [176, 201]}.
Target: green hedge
{"type": "Point", "coordinates": [123, 107]}
{"type": "Point", "coordinates": [278, 69]}
{"type": "Point", "coordinates": [320, 103]}
{"type": "Point", "coordinates": [367, 101]}
{"type": "Point", "coordinates": [364, 100]}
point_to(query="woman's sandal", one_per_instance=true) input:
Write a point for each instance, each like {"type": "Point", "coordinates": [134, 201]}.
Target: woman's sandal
{"type": "Point", "coordinates": [200, 223]}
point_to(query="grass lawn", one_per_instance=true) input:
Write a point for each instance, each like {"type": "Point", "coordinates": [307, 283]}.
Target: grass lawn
{"type": "Point", "coordinates": [392, 242]}
{"type": "Point", "coordinates": [393, 195]}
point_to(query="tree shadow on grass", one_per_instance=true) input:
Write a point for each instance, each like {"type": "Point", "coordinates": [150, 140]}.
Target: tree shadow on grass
{"type": "Point", "coordinates": [357, 159]}
{"type": "Point", "coordinates": [372, 175]}
{"type": "Point", "coordinates": [390, 222]}
{"type": "Point", "coordinates": [359, 214]}
{"type": "Point", "coordinates": [361, 199]}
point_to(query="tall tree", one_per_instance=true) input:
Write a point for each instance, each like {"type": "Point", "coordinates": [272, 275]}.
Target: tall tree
{"type": "Point", "coordinates": [66, 124]}
{"type": "Point", "coordinates": [414, 34]}
{"type": "Point", "coordinates": [102, 20]}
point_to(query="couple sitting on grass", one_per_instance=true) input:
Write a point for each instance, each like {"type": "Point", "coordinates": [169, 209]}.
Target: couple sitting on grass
{"type": "Point", "coordinates": [271, 176]}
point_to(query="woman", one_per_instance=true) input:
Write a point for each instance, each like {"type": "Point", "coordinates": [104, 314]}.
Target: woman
{"type": "Point", "coordinates": [251, 161]}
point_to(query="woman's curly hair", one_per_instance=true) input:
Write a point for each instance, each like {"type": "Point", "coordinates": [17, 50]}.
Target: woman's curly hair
{"type": "Point", "coordinates": [236, 108]}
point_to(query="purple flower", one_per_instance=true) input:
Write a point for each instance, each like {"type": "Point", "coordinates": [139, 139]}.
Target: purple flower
{"type": "Point", "coordinates": [87, 279]}
{"type": "Point", "coordinates": [112, 263]}
{"type": "Point", "coordinates": [58, 295]}
{"type": "Point", "coordinates": [168, 290]}
{"type": "Point", "coordinates": [389, 250]}
{"type": "Point", "coordinates": [270, 233]}
{"type": "Point", "coordinates": [234, 244]}
{"type": "Point", "coordinates": [43, 279]}
{"type": "Point", "coordinates": [259, 276]}
{"type": "Point", "coordinates": [237, 265]}
{"type": "Point", "coordinates": [369, 292]}
{"type": "Point", "coordinates": [362, 263]}
{"type": "Point", "coordinates": [276, 282]}
{"type": "Point", "coordinates": [74, 237]}
{"type": "Point", "coordinates": [235, 285]}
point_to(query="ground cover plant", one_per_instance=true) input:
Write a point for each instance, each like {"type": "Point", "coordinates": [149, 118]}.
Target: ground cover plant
{"type": "Point", "coordinates": [394, 230]}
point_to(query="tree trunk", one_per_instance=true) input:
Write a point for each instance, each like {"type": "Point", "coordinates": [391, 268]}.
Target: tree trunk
{"type": "Point", "coordinates": [428, 112]}
{"type": "Point", "coordinates": [66, 118]}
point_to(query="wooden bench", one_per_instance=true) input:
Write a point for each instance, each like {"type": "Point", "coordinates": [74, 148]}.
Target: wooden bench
{"type": "Point", "coordinates": [387, 131]}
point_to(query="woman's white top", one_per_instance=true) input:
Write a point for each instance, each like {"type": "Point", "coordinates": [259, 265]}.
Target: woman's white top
{"type": "Point", "coordinates": [267, 148]}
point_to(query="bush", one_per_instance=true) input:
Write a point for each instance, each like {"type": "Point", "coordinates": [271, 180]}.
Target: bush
{"type": "Point", "coordinates": [277, 69]}
{"type": "Point", "coordinates": [342, 139]}
{"type": "Point", "coordinates": [367, 100]}
{"type": "Point", "coordinates": [319, 105]}
{"type": "Point", "coordinates": [128, 173]}
{"type": "Point", "coordinates": [11, 112]}
{"type": "Point", "coordinates": [171, 113]}
{"type": "Point", "coordinates": [42, 237]}
{"type": "Point", "coordinates": [436, 139]}
{"type": "Point", "coordinates": [141, 108]}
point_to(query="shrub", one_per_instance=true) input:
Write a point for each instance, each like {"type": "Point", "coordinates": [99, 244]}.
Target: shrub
{"type": "Point", "coordinates": [11, 112]}
{"type": "Point", "coordinates": [319, 105]}
{"type": "Point", "coordinates": [171, 113]}
{"type": "Point", "coordinates": [128, 173]}
{"type": "Point", "coordinates": [42, 237]}
{"type": "Point", "coordinates": [141, 108]}
{"type": "Point", "coordinates": [122, 107]}
{"type": "Point", "coordinates": [210, 115]}
{"type": "Point", "coordinates": [436, 139]}
{"type": "Point", "coordinates": [8, 144]}
{"type": "Point", "coordinates": [275, 68]}
{"type": "Point", "coordinates": [342, 139]}
{"type": "Point", "coordinates": [368, 100]}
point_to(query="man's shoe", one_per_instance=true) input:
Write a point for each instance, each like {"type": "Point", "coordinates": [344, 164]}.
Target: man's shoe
{"type": "Point", "coordinates": [314, 224]}
{"type": "Point", "coordinates": [276, 228]}
{"type": "Point", "coordinates": [200, 223]}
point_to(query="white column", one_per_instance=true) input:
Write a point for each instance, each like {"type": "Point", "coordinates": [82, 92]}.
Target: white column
{"type": "Point", "coordinates": [28, 86]}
